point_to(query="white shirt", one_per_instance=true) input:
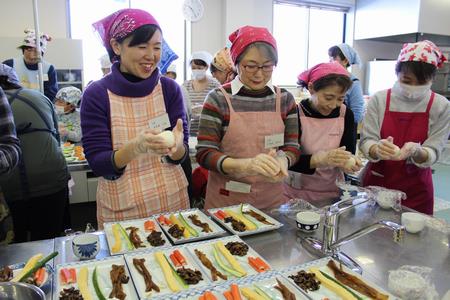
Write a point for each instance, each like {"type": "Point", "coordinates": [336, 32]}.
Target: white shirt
{"type": "Point", "coordinates": [237, 85]}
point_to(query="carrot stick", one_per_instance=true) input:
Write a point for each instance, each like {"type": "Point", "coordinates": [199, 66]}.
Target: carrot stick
{"type": "Point", "coordinates": [175, 260]}
{"type": "Point", "coordinates": [202, 297]}
{"type": "Point", "coordinates": [209, 296]}
{"type": "Point", "coordinates": [227, 295]}
{"type": "Point", "coordinates": [179, 257]}
{"type": "Point", "coordinates": [235, 292]}
{"type": "Point", "coordinates": [73, 275]}
{"type": "Point", "coordinates": [262, 263]}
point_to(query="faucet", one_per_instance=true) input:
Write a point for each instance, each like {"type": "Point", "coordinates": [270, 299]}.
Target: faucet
{"type": "Point", "coordinates": [332, 242]}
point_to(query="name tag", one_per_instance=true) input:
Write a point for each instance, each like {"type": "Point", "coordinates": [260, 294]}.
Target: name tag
{"type": "Point", "coordinates": [274, 140]}
{"type": "Point", "coordinates": [238, 187]}
{"type": "Point", "coordinates": [45, 77]}
{"type": "Point", "coordinates": [159, 123]}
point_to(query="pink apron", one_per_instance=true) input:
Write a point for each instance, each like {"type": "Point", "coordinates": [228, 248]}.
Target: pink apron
{"type": "Point", "coordinates": [317, 135]}
{"type": "Point", "coordinates": [147, 186]}
{"type": "Point", "coordinates": [245, 138]}
{"type": "Point", "coordinates": [416, 182]}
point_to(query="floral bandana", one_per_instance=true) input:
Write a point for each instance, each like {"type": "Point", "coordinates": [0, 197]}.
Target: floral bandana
{"type": "Point", "coordinates": [423, 51]}
{"type": "Point", "coordinates": [321, 70]}
{"type": "Point", "coordinates": [121, 23]}
{"type": "Point", "coordinates": [222, 60]}
{"type": "Point", "coordinates": [247, 35]}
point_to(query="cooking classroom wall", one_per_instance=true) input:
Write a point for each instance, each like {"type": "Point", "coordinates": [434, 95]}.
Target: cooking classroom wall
{"type": "Point", "coordinates": [220, 18]}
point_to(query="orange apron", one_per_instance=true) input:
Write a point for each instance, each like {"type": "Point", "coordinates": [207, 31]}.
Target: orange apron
{"type": "Point", "coordinates": [317, 135]}
{"type": "Point", "coordinates": [245, 138]}
{"type": "Point", "coordinates": [147, 185]}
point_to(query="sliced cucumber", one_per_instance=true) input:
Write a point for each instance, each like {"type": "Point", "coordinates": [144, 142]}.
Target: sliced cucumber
{"type": "Point", "coordinates": [191, 230]}
{"type": "Point", "coordinates": [223, 266]}
{"type": "Point", "coordinates": [343, 286]}
{"type": "Point", "coordinates": [97, 289]}
{"type": "Point", "coordinates": [130, 245]}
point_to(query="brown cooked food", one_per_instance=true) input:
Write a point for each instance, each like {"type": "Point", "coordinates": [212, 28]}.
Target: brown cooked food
{"type": "Point", "coordinates": [70, 294]}
{"type": "Point", "coordinates": [205, 226]}
{"type": "Point", "coordinates": [176, 231]}
{"type": "Point", "coordinates": [285, 292]}
{"type": "Point", "coordinates": [140, 267]}
{"type": "Point", "coordinates": [237, 248]}
{"type": "Point", "coordinates": [155, 239]}
{"type": "Point", "coordinates": [6, 274]}
{"type": "Point", "coordinates": [258, 217]}
{"type": "Point", "coordinates": [118, 277]}
{"type": "Point", "coordinates": [355, 283]}
{"type": "Point", "coordinates": [237, 225]}
{"type": "Point", "coordinates": [207, 263]}
{"type": "Point", "coordinates": [189, 276]}
{"type": "Point", "coordinates": [307, 281]}
{"type": "Point", "coordinates": [134, 237]}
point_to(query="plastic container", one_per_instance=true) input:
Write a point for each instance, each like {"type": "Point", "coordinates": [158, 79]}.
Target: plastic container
{"type": "Point", "coordinates": [308, 221]}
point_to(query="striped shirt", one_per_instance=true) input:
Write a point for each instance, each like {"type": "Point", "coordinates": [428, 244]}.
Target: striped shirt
{"type": "Point", "coordinates": [194, 101]}
{"type": "Point", "coordinates": [9, 143]}
{"type": "Point", "coordinates": [215, 118]}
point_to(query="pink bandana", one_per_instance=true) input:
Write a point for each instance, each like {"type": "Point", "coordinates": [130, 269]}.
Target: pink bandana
{"type": "Point", "coordinates": [321, 70]}
{"type": "Point", "coordinates": [423, 51]}
{"type": "Point", "coordinates": [247, 35]}
{"type": "Point", "coordinates": [121, 23]}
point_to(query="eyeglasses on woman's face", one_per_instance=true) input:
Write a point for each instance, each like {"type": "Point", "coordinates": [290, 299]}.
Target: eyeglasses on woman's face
{"type": "Point", "coordinates": [253, 68]}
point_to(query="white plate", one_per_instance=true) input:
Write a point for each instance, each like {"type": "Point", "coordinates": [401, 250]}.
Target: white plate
{"type": "Point", "coordinates": [216, 230]}
{"type": "Point", "coordinates": [207, 248]}
{"type": "Point", "coordinates": [16, 268]}
{"type": "Point", "coordinates": [267, 280]}
{"type": "Point", "coordinates": [139, 223]}
{"type": "Point", "coordinates": [103, 271]}
{"type": "Point", "coordinates": [237, 208]}
{"type": "Point", "coordinates": [323, 292]}
{"type": "Point", "coordinates": [157, 274]}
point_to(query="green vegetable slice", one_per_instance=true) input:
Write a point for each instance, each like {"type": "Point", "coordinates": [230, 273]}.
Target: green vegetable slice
{"type": "Point", "coordinates": [191, 230]}
{"type": "Point", "coordinates": [38, 265]}
{"type": "Point", "coordinates": [97, 289]}
{"type": "Point", "coordinates": [223, 265]}
{"type": "Point", "coordinates": [343, 286]}
{"type": "Point", "coordinates": [130, 245]}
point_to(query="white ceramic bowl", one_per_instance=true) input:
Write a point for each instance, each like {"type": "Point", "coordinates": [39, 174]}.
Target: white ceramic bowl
{"type": "Point", "coordinates": [85, 245]}
{"type": "Point", "coordinates": [308, 221]}
{"type": "Point", "coordinates": [413, 222]}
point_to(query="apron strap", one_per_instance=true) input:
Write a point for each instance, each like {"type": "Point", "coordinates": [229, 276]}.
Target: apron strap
{"type": "Point", "coordinates": [430, 102]}
{"type": "Point", "coordinates": [227, 98]}
{"type": "Point", "coordinates": [388, 101]}
{"type": "Point", "coordinates": [278, 100]}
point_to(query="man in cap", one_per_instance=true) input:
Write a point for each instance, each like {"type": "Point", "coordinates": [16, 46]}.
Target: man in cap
{"type": "Point", "coordinates": [27, 66]}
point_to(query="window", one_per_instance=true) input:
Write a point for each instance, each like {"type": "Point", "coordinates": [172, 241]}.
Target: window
{"type": "Point", "coordinates": [85, 12]}
{"type": "Point", "coordinates": [303, 37]}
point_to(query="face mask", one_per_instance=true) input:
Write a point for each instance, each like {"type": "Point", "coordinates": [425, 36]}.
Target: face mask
{"type": "Point", "coordinates": [198, 74]}
{"type": "Point", "coordinates": [413, 92]}
{"type": "Point", "coordinates": [59, 109]}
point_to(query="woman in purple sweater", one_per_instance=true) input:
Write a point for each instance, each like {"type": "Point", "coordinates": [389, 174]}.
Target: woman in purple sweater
{"type": "Point", "coordinates": [121, 116]}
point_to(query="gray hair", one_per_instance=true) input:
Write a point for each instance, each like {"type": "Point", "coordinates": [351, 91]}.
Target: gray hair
{"type": "Point", "coordinates": [267, 49]}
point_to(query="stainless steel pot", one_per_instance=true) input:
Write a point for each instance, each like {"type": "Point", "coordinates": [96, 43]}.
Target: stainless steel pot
{"type": "Point", "coordinates": [20, 291]}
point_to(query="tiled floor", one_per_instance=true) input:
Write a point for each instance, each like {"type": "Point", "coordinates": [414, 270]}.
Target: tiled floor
{"type": "Point", "coordinates": [441, 180]}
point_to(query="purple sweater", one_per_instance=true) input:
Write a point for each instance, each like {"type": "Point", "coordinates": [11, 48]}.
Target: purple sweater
{"type": "Point", "coordinates": [96, 118]}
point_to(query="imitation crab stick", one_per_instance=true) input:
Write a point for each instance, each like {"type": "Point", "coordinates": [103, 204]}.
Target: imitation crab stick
{"type": "Point", "coordinates": [220, 214]}
{"type": "Point", "coordinates": [175, 261]}
{"type": "Point", "coordinates": [209, 296]}
{"type": "Point", "coordinates": [163, 220]}
{"type": "Point", "coordinates": [179, 257]}
{"type": "Point", "coordinates": [149, 225]}
{"type": "Point", "coordinates": [258, 264]}
{"type": "Point", "coordinates": [235, 292]}
{"type": "Point", "coordinates": [228, 295]}
{"type": "Point", "coordinates": [39, 276]}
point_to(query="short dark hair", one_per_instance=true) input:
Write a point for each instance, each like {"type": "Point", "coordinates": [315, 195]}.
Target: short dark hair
{"type": "Point", "coordinates": [328, 80]}
{"type": "Point", "coordinates": [424, 72]}
{"type": "Point", "coordinates": [199, 62]}
{"type": "Point", "coordinates": [141, 35]}
{"type": "Point", "coordinates": [213, 68]}
{"type": "Point", "coordinates": [23, 48]}
{"type": "Point", "coordinates": [269, 49]}
{"type": "Point", "coordinates": [335, 51]}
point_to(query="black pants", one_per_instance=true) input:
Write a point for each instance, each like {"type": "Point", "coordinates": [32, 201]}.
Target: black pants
{"type": "Point", "coordinates": [41, 217]}
{"type": "Point", "coordinates": [187, 168]}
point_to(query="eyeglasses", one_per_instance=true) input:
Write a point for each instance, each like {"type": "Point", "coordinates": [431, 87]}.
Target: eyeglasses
{"type": "Point", "coordinates": [255, 68]}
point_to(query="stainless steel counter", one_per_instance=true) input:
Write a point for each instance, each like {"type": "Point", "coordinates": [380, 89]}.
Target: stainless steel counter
{"type": "Point", "coordinates": [20, 253]}
{"type": "Point", "coordinates": [376, 252]}
{"type": "Point", "coordinates": [73, 167]}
